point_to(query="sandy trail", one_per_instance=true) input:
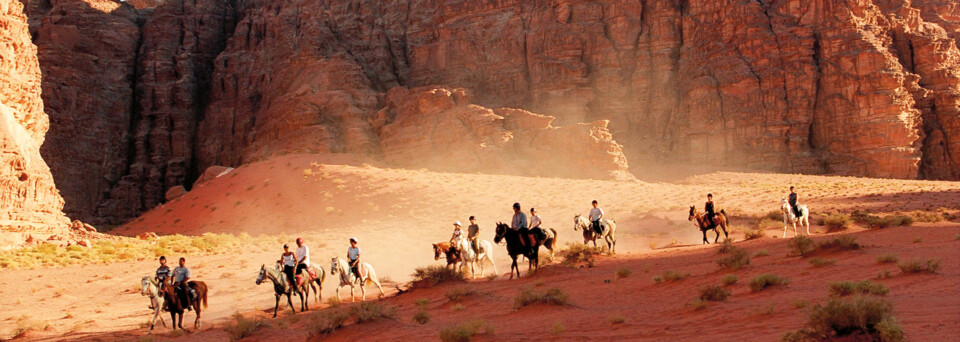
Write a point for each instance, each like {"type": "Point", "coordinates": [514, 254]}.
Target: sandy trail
{"type": "Point", "coordinates": [397, 214]}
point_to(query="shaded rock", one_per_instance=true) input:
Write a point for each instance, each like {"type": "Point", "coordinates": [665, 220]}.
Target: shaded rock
{"type": "Point", "coordinates": [175, 192]}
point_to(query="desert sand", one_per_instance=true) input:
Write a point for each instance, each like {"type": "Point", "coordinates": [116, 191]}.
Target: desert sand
{"type": "Point", "coordinates": [398, 213]}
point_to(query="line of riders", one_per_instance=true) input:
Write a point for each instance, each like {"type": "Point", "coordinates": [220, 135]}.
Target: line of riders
{"type": "Point", "coordinates": [295, 263]}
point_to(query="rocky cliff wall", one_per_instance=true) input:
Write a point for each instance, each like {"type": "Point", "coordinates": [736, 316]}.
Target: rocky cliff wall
{"type": "Point", "coordinates": [863, 87]}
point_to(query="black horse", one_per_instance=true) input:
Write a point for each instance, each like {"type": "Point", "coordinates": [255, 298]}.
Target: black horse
{"type": "Point", "coordinates": [515, 248]}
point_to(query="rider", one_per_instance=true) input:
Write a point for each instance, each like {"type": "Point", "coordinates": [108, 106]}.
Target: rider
{"type": "Point", "coordinates": [520, 224]}
{"type": "Point", "coordinates": [708, 210]}
{"type": "Point", "coordinates": [304, 253]}
{"type": "Point", "coordinates": [163, 272]}
{"type": "Point", "coordinates": [457, 233]}
{"type": "Point", "coordinates": [595, 215]}
{"type": "Point", "coordinates": [473, 232]}
{"type": "Point", "coordinates": [793, 202]}
{"type": "Point", "coordinates": [289, 260]}
{"type": "Point", "coordinates": [353, 254]}
{"type": "Point", "coordinates": [181, 275]}
{"type": "Point", "coordinates": [535, 222]}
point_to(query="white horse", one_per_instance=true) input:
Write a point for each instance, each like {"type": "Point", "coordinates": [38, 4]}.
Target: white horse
{"type": "Point", "coordinates": [789, 216]}
{"type": "Point", "coordinates": [609, 235]}
{"type": "Point", "coordinates": [341, 266]}
{"type": "Point", "coordinates": [150, 288]}
{"type": "Point", "coordinates": [467, 255]}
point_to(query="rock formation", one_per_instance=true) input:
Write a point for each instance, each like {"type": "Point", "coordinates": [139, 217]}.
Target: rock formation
{"type": "Point", "coordinates": [864, 87]}
{"type": "Point", "coordinates": [29, 201]}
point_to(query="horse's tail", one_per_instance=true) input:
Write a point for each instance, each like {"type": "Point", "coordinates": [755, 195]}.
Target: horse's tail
{"type": "Point", "coordinates": [204, 295]}
{"type": "Point", "coordinates": [554, 244]}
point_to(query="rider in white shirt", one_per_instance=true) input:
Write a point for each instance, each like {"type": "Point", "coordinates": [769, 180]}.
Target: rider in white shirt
{"type": "Point", "coordinates": [303, 252]}
{"type": "Point", "coordinates": [457, 233]}
{"type": "Point", "coordinates": [595, 215]}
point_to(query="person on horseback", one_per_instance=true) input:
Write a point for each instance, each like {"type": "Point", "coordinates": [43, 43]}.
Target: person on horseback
{"type": "Point", "coordinates": [535, 223]}
{"type": "Point", "coordinates": [303, 252]}
{"type": "Point", "coordinates": [163, 272]}
{"type": "Point", "coordinates": [519, 224]}
{"type": "Point", "coordinates": [353, 254]}
{"type": "Point", "coordinates": [181, 275]}
{"type": "Point", "coordinates": [473, 233]}
{"type": "Point", "coordinates": [709, 213]}
{"type": "Point", "coordinates": [457, 233]}
{"type": "Point", "coordinates": [793, 202]}
{"type": "Point", "coordinates": [289, 261]}
{"type": "Point", "coordinates": [595, 215]}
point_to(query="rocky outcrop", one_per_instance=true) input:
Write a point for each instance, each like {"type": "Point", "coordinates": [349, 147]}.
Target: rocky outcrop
{"type": "Point", "coordinates": [865, 87]}
{"type": "Point", "coordinates": [29, 201]}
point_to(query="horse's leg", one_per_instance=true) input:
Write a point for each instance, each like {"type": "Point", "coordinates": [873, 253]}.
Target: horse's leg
{"type": "Point", "coordinates": [718, 235]}
{"type": "Point", "coordinates": [705, 237]}
{"type": "Point", "coordinates": [277, 306]}
{"type": "Point", "coordinates": [806, 220]}
{"type": "Point", "coordinates": [363, 290]}
{"type": "Point", "coordinates": [353, 297]}
{"type": "Point", "coordinates": [379, 287]}
{"type": "Point", "coordinates": [784, 226]}
{"type": "Point", "coordinates": [795, 228]}
{"type": "Point", "coordinates": [290, 301]}
{"type": "Point", "coordinates": [196, 322]}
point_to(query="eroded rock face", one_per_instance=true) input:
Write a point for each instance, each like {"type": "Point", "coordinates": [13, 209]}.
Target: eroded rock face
{"type": "Point", "coordinates": [29, 201]}
{"type": "Point", "coordinates": [866, 87]}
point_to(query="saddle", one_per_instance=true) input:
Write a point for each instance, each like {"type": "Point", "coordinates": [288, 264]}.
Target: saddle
{"type": "Point", "coordinates": [310, 271]}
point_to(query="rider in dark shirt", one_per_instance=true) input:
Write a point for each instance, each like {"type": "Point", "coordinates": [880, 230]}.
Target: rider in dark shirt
{"type": "Point", "coordinates": [708, 209]}
{"type": "Point", "coordinates": [163, 272]}
{"type": "Point", "coordinates": [793, 202]}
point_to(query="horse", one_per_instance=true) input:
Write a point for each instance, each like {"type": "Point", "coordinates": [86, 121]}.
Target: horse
{"type": "Point", "coordinates": [467, 255]}
{"type": "Point", "coordinates": [281, 288]}
{"type": "Point", "coordinates": [176, 306]}
{"type": "Point", "coordinates": [318, 281]}
{"type": "Point", "coordinates": [608, 235]}
{"type": "Point", "coordinates": [150, 288]}
{"type": "Point", "coordinates": [790, 216]}
{"type": "Point", "coordinates": [515, 248]}
{"type": "Point", "coordinates": [704, 225]}
{"type": "Point", "coordinates": [347, 277]}
{"type": "Point", "coordinates": [451, 252]}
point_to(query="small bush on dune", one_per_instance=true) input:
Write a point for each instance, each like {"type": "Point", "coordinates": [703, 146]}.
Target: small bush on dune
{"type": "Point", "coordinates": [729, 279]}
{"type": "Point", "coordinates": [459, 293]}
{"type": "Point", "coordinates": [421, 317]}
{"type": "Point", "coordinates": [838, 318]}
{"type": "Point", "coordinates": [887, 259]}
{"type": "Point", "coordinates": [243, 327]}
{"type": "Point", "coordinates": [763, 281]}
{"type": "Point", "coordinates": [698, 304]}
{"type": "Point", "coordinates": [578, 253]}
{"type": "Point", "coordinates": [558, 328]}
{"type": "Point", "coordinates": [623, 272]}
{"type": "Point", "coordinates": [801, 245]}
{"type": "Point", "coordinates": [670, 276]}
{"type": "Point", "coordinates": [725, 246]}
{"type": "Point", "coordinates": [326, 321]}
{"type": "Point", "coordinates": [770, 223]}
{"type": "Point", "coordinates": [877, 222]}
{"type": "Point", "coordinates": [372, 311]}
{"type": "Point", "coordinates": [736, 258]}
{"type": "Point", "coordinates": [528, 296]}
{"type": "Point", "coordinates": [436, 274]}
{"type": "Point", "coordinates": [714, 293]}
{"type": "Point", "coordinates": [820, 262]}
{"type": "Point", "coordinates": [774, 215]}
{"type": "Point", "coordinates": [842, 243]}
{"type": "Point", "coordinates": [753, 234]}
{"type": "Point", "coordinates": [836, 222]}
{"type": "Point", "coordinates": [616, 319]}
{"type": "Point", "coordinates": [761, 253]}
{"type": "Point", "coordinates": [916, 266]}
{"type": "Point", "coordinates": [333, 302]}
{"type": "Point", "coordinates": [924, 216]}
{"type": "Point", "coordinates": [865, 287]}
{"type": "Point", "coordinates": [465, 331]}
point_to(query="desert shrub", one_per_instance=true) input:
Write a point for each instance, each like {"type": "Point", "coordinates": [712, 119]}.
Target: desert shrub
{"type": "Point", "coordinates": [371, 311]}
{"type": "Point", "coordinates": [761, 253]}
{"type": "Point", "coordinates": [774, 215]}
{"type": "Point", "coordinates": [421, 316]}
{"type": "Point", "coordinates": [558, 328]}
{"type": "Point", "coordinates": [670, 276]}
{"type": "Point", "coordinates": [578, 253]}
{"type": "Point", "coordinates": [838, 318]}
{"type": "Point", "coordinates": [836, 222]}
{"type": "Point", "coordinates": [917, 266]}
{"type": "Point", "coordinates": [729, 279]}
{"type": "Point", "coordinates": [766, 223]}
{"type": "Point", "coordinates": [820, 262]}
{"type": "Point", "coordinates": [623, 272]}
{"type": "Point", "coordinates": [333, 302]}
{"type": "Point", "coordinates": [736, 258]}
{"type": "Point", "coordinates": [725, 246]}
{"type": "Point", "coordinates": [865, 287]}
{"type": "Point", "coordinates": [887, 259]}
{"type": "Point", "coordinates": [801, 245]}
{"type": "Point", "coordinates": [918, 239]}
{"type": "Point", "coordinates": [436, 274]}
{"type": "Point", "coordinates": [457, 294]}
{"type": "Point", "coordinates": [458, 307]}
{"type": "Point", "coordinates": [528, 296]}
{"type": "Point", "coordinates": [698, 304]}
{"type": "Point", "coordinates": [766, 280]}
{"type": "Point", "coordinates": [925, 216]}
{"type": "Point", "coordinates": [873, 221]}
{"type": "Point", "coordinates": [243, 327]}
{"type": "Point", "coordinates": [326, 321]}
{"type": "Point", "coordinates": [714, 293]}
{"type": "Point", "coordinates": [752, 234]}
{"type": "Point", "coordinates": [800, 303]}
{"type": "Point", "coordinates": [616, 319]}
{"type": "Point", "coordinates": [465, 331]}
{"type": "Point", "coordinates": [842, 243]}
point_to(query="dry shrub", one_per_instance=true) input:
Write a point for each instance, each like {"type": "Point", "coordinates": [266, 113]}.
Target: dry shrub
{"type": "Point", "coordinates": [729, 279]}
{"type": "Point", "coordinates": [670, 276]}
{"type": "Point", "coordinates": [775, 215]}
{"type": "Point", "coordinates": [326, 321]}
{"type": "Point", "coordinates": [753, 234]}
{"type": "Point", "coordinates": [243, 326]}
{"type": "Point", "coordinates": [857, 317]}
{"type": "Point", "coordinates": [736, 258]}
{"type": "Point", "coordinates": [421, 316]}
{"type": "Point", "coordinates": [842, 243]}
{"type": "Point", "coordinates": [698, 304]}
{"type": "Point", "coordinates": [465, 331]}
{"type": "Point", "coordinates": [925, 216]}
{"type": "Point", "coordinates": [714, 293]}
{"type": "Point", "coordinates": [836, 222]}
{"type": "Point", "coordinates": [887, 259]}
{"type": "Point", "coordinates": [623, 272]}
{"type": "Point", "coordinates": [528, 296]}
{"type": "Point", "coordinates": [820, 262]}
{"type": "Point", "coordinates": [372, 311]}
{"type": "Point", "coordinates": [579, 253]}
{"type": "Point", "coordinates": [436, 274]}
{"type": "Point", "coordinates": [457, 294]}
{"type": "Point", "coordinates": [916, 266]}
{"type": "Point", "coordinates": [616, 319]}
{"type": "Point", "coordinates": [763, 281]}
{"type": "Point", "coordinates": [864, 287]}
{"type": "Point", "coordinates": [761, 253]}
{"type": "Point", "coordinates": [801, 245]}
{"type": "Point", "coordinates": [873, 221]}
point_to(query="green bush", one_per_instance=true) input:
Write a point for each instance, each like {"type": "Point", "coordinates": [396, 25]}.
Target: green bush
{"type": "Point", "coordinates": [729, 279]}
{"type": "Point", "coordinates": [838, 318]}
{"type": "Point", "coordinates": [465, 331]}
{"type": "Point", "coordinates": [714, 293]}
{"type": "Point", "coordinates": [917, 266]}
{"type": "Point", "coordinates": [436, 274]}
{"type": "Point", "coordinates": [528, 296]}
{"type": "Point", "coordinates": [801, 245]}
{"type": "Point", "coordinates": [766, 280]}
{"type": "Point", "coordinates": [735, 259]}
{"type": "Point", "coordinates": [865, 287]}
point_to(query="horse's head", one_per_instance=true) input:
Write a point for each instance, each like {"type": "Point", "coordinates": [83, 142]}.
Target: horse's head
{"type": "Point", "coordinates": [576, 222]}
{"type": "Point", "coordinates": [263, 273]}
{"type": "Point", "coordinates": [693, 213]}
{"type": "Point", "coordinates": [784, 205]}
{"type": "Point", "coordinates": [333, 265]}
{"type": "Point", "coordinates": [144, 285]}
{"type": "Point", "coordinates": [436, 252]}
{"type": "Point", "coordinates": [501, 232]}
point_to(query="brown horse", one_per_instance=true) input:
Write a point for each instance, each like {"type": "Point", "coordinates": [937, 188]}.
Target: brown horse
{"type": "Point", "coordinates": [704, 225]}
{"type": "Point", "coordinates": [176, 306]}
{"type": "Point", "coordinates": [451, 252]}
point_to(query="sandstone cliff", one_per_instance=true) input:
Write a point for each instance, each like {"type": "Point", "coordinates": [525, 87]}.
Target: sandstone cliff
{"type": "Point", "coordinates": [863, 87]}
{"type": "Point", "coordinates": [29, 201]}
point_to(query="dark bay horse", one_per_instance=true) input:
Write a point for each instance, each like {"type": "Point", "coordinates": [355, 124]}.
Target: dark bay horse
{"type": "Point", "coordinates": [704, 224]}
{"type": "Point", "coordinates": [176, 306]}
{"type": "Point", "coordinates": [451, 252]}
{"type": "Point", "coordinates": [515, 248]}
